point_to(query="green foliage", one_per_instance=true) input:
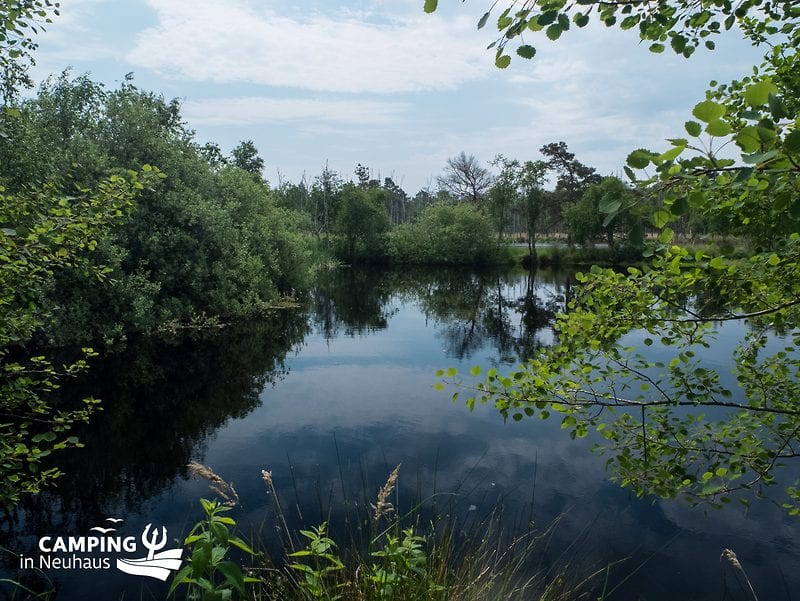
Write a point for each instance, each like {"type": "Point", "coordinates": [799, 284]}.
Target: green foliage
{"type": "Point", "coordinates": [684, 25]}
{"type": "Point", "coordinates": [317, 581]}
{"type": "Point", "coordinates": [21, 21]}
{"type": "Point", "coordinates": [402, 570]}
{"type": "Point", "coordinates": [361, 221]}
{"type": "Point", "coordinates": [245, 157]}
{"type": "Point", "coordinates": [445, 234]}
{"type": "Point", "coordinates": [602, 213]}
{"type": "Point", "coordinates": [43, 233]}
{"type": "Point", "coordinates": [207, 242]}
{"type": "Point", "coordinates": [671, 426]}
{"type": "Point", "coordinates": [208, 575]}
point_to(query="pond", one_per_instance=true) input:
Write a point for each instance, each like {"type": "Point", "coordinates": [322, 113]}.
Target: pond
{"type": "Point", "coordinates": [330, 397]}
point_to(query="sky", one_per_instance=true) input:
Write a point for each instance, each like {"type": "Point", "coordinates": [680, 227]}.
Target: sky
{"type": "Point", "coordinates": [381, 83]}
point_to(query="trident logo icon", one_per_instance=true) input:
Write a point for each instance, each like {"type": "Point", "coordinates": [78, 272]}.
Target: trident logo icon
{"type": "Point", "coordinates": [155, 565]}
{"type": "Point", "coordinates": [152, 545]}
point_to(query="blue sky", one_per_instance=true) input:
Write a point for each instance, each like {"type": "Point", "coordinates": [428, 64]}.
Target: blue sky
{"type": "Point", "coordinates": [383, 84]}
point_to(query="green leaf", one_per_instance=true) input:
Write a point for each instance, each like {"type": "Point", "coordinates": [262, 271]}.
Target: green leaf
{"type": "Point", "coordinates": [233, 574]}
{"type": "Point", "coordinates": [748, 140]}
{"type": "Point", "coordinates": [777, 107]}
{"type": "Point", "coordinates": [610, 204]}
{"type": "Point", "coordinates": [671, 154]}
{"type": "Point", "coordinates": [757, 94]}
{"type": "Point", "coordinates": [657, 48]}
{"type": "Point", "coordinates": [708, 111]}
{"type": "Point", "coordinates": [792, 142]}
{"type": "Point", "coordinates": [718, 128]}
{"type": "Point", "coordinates": [502, 61]}
{"type": "Point", "coordinates": [639, 159]}
{"type": "Point", "coordinates": [547, 17]}
{"type": "Point", "coordinates": [661, 218]}
{"type": "Point", "coordinates": [580, 19]}
{"type": "Point", "coordinates": [526, 51]}
{"type": "Point", "coordinates": [554, 31]}
{"type": "Point", "coordinates": [483, 20]}
{"type": "Point", "coordinates": [430, 5]}
{"type": "Point", "coordinates": [693, 128]}
{"type": "Point", "coordinates": [666, 236]}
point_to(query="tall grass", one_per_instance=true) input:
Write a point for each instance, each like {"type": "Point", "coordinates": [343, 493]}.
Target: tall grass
{"type": "Point", "coordinates": [425, 553]}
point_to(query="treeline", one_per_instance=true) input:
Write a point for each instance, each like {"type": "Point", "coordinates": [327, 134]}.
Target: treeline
{"type": "Point", "coordinates": [207, 239]}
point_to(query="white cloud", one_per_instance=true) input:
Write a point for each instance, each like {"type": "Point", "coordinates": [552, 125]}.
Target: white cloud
{"type": "Point", "coordinates": [206, 41]}
{"type": "Point", "coordinates": [261, 110]}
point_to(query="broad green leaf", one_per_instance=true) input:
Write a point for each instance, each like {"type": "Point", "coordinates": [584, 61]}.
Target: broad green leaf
{"type": "Point", "coordinates": [671, 154]}
{"type": "Point", "coordinates": [483, 20]}
{"type": "Point", "coordinates": [610, 204]}
{"type": "Point", "coordinates": [718, 128]}
{"type": "Point", "coordinates": [757, 94]}
{"type": "Point", "coordinates": [666, 236]}
{"type": "Point", "coordinates": [526, 51]}
{"type": "Point", "coordinates": [777, 107]}
{"type": "Point", "coordinates": [679, 206]}
{"type": "Point", "coordinates": [580, 19]}
{"type": "Point", "coordinates": [693, 128]}
{"type": "Point", "coordinates": [792, 142]}
{"type": "Point", "coordinates": [639, 159]}
{"type": "Point", "coordinates": [636, 235]}
{"type": "Point", "coordinates": [554, 31]}
{"type": "Point", "coordinates": [661, 218]}
{"type": "Point", "coordinates": [547, 17]}
{"type": "Point", "coordinates": [430, 5]}
{"type": "Point", "coordinates": [708, 111]}
{"type": "Point", "coordinates": [747, 139]}
{"type": "Point", "coordinates": [657, 48]}
{"type": "Point", "coordinates": [502, 61]}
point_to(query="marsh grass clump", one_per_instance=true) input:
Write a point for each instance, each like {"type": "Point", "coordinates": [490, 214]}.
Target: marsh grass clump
{"type": "Point", "coordinates": [383, 554]}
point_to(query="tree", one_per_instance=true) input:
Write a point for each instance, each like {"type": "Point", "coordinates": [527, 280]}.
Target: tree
{"type": "Point", "coordinates": [325, 193]}
{"type": "Point", "coordinates": [573, 179]}
{"type": "Point", "coordinates": [465, 179]}
{"type": "Point", "coordinates": [361, 222]}
{"type": "Point", "coordinates": [22, 20]}
{"type": "Point", "coordinates": [519, 188]}
{"type": "Point", "coordinates": [672, 426]}
{"type": "Point", "coordinates": [245, 156]}
{"type": "Point", "coordinates": [503, 195]}
{"type": "Point", "coordinates": [593, 218]}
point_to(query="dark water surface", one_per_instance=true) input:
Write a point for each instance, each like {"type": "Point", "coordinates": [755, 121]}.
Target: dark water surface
{"type": "Point", "coordinates": [330, 397]}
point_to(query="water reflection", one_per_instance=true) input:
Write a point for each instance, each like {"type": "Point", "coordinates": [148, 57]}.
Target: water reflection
{"type": "Point", "coordinates": [510, 311]}
{"type": "Point", "coordinates": [331, 397]}
{"type": "Point", "coordinates": [162, 399]}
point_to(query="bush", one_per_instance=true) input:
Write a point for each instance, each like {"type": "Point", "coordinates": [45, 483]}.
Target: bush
{"type": "Point", "coordinates": [453, 234]}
